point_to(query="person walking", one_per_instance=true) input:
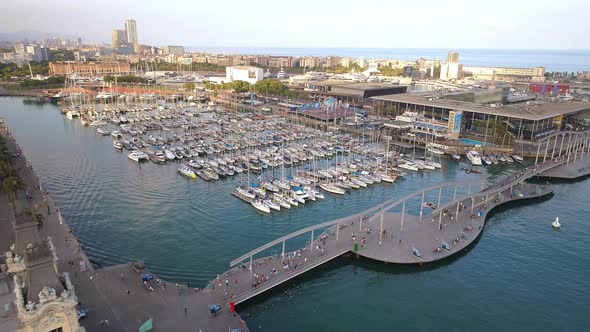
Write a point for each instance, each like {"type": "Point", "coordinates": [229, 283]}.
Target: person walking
{"type": "Point", "coordinates": [185, 311]}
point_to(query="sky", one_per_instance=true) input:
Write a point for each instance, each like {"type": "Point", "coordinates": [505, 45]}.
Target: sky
{"type": "Point", "coordinates": [457, 24]}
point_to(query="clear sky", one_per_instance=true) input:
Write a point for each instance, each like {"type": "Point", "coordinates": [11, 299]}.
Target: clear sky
{"type": "Point", "coordinates": [522, 24]}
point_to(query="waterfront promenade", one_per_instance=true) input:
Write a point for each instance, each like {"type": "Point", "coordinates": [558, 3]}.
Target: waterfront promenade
{"type": "Point", "coordinates": [95, 287]}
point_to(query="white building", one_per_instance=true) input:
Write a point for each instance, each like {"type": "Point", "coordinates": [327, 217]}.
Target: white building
{"type": "Point", "coordinates": [131, 29]}
{"type": "Point", "coordinates": [244, 73]}
{"type": "Point", "coordinates": [362, 62]}
{"type": "Point", "coordinates": [451, 71]}
{"type": "Point", "coordinates": [177, 50]}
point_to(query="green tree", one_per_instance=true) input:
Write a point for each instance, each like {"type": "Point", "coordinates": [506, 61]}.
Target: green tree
{"type": "Point", "coordinates": [53, 80]}
{"type": "Point", "coordinates": [269, 87]}
{"type": "Point", "coordinates": [62, 55]}
{"type": "Point", "coordinates": [189, 86]}
{"type": "Point", "coordinates": [5, 169]}
{"type": "Point", "coordinates": [12, 185]}
{"type": "Point", "coordinates": [241, 86]}
{"type": "Point", "coordinates": [388, 71]}
{"type": "Point", "coordinates": [126, 79]}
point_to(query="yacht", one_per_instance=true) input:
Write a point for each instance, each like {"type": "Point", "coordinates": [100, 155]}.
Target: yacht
{"type": "Point", "coordinates": [426, 165]}
{"type": "Point", "coordinates": [271, 204]}
{"type": "Point", "coordinates": [72, 114]}
{"type": "Point", "coordinates": [386, 177]}
{"type": "Point", "coordinates": [159, 157]}
{"type": "Point", "coordinates": [116, 134]}
{"type": "Point", "coordinates": [194, 164]}
{"type": "Point", "coordinates": [138, 156]}
{"type": "Point", "coordinates": [260, 206]}
{"type": "Point", "coordinates": [281, 74]}
{"type": "Point", "coordinates": [318, 194]}
{"type": "Point", "coordinates": [169, 155]}
{"type": "Point", "coordinates": [456, 156]}
{"type": "Point", "coordinates": [117, 145]}
{"type": "Point", "coordinates": [186, 171]}
{"type": "Point", "coordinates": [360, 183]}
{"type": "Point", "coordinates": [297, 198]}
{"type": "Point", "coordinates": [245, 192]}
{"type": "Point", "coordinates": [517, 158]}
{"type": "Point", "coordinates": [284, 203]}
{"type": "Point", "coordinates": [332, 188]}
{"type": "Point", "coordinates": [435, 150]}
{"type": "Point", "coordinates": [281, 184]}
{"type": "Point", "coordinates": [409, 166]}
{"type": "Point", "coordinates": [96, 123]}
{"type": "Point", "coordinates": [102, 131]}
{"type": "Point", "coordinates": [474, 158]}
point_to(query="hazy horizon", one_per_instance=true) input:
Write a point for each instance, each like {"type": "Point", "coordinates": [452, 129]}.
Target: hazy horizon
{"type": "Point", "coordinates": [457, 24]}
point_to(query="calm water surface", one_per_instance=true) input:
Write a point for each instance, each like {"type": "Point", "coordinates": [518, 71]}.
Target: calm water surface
{"type": "Point", "coordinates": [520, 275]}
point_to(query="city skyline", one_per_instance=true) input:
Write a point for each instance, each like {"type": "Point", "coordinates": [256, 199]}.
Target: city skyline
{"type": "Point", "coordinates": [377, 24]}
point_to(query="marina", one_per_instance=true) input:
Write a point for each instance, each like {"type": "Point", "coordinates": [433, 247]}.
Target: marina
{"type": "Point", "coordinates": [280, 163]}
{"type": "Point", "coordinates": [151, 183]}
{"type": "Point", "coordinates": [413, 179]}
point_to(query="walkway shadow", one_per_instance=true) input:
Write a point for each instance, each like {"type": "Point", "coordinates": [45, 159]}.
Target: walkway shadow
{"type": "Point", "coordinates": [545, 180]}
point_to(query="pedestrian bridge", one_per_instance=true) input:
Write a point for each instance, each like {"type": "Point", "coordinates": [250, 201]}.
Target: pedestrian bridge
{"type": "Point", "coordinates": [399, 230]}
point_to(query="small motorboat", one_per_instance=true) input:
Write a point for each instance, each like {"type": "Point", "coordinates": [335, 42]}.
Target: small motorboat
{"type": "Point", "coordinates": [186, 171]}
{"type": "Point", "coordinates": [103, 131]}
{"type": "Point", "coordinates": [556, 223]}
{"type": "Point", "coordinates": [430, 205]}
{"type": "Point", "coordinates": [456, 157]}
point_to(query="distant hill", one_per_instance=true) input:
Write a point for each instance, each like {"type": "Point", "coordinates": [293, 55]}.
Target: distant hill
{"type": "Point", "coordinates": [31, 35]}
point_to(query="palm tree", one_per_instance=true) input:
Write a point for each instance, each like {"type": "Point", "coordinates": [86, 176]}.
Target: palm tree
{"type": "Point", "coordinates": [12, 185]}
{"type": "Point", "coordinates": [5, 169]}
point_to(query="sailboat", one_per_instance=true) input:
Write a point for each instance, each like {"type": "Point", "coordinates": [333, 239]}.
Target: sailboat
{"type": "Point", "coordinates": [260, 206]}
{"type": "Point", "coordinates": [556, 223]}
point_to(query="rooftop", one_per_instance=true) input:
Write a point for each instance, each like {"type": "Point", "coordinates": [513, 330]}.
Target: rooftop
{"type": "Point", "coordinates": [358, 86]}
{"type": "Point", "coordinates": [537, 110]}
{"type": "Point", "coordinates": [243, 67]}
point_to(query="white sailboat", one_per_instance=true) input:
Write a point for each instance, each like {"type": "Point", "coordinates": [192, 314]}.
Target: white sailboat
{"type": "Point", "coordinates": [556, 223]}
{"type": "Point", "coordinates": [332, 188]}
{"type": "Point", "coordinates": [260, 206]}
{"type": "Point", "coordinates": [271, 204]}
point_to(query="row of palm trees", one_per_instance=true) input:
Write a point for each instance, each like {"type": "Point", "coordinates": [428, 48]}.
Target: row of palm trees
{"type": "Point", "coordinates": [12, 183]}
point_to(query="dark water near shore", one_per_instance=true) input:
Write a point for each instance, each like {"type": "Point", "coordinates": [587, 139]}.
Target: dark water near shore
{"type": "Point", "coordinates": [520, 275]}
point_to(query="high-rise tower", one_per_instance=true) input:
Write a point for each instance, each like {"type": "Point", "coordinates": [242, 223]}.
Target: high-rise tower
{"type": "Point", "coordinates": [131, 29]}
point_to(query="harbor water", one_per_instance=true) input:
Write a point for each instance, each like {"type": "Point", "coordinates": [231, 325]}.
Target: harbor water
{"type": "Point", "coordinates": [521, 274]}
